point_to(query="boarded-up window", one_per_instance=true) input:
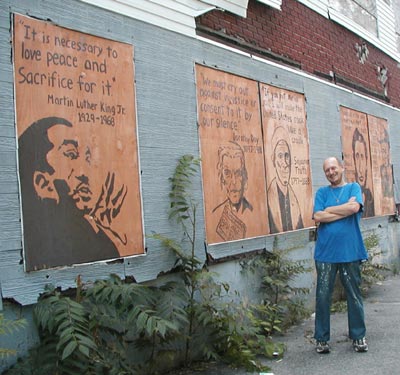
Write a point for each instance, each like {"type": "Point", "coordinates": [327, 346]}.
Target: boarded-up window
{"type": "Point", "coordinates": [78, 159]}
{"type": "Point", "coordinates": [255, 168]}
{"type": "Point", "coordinates": [366, 151]}
{"type": "Point", "coordinates": [287, 164]}
{"type": "Point", "coordinates": [357, 155]}
{"type": "Point", "coordinates": [381, 165]}
{"type": "Point", "coordinates": [232, 156]}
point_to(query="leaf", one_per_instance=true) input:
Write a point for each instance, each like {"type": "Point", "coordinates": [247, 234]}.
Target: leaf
{"type": "Point", "coordinates": [84, 350]}
{"type": "Point", "coordinates": [69, 349]}
{"type": "Point", "coordinates": [151, 325]}
{"type": "Point", "coordinates": [141, 321]}
{"type": "Point", "coordinates": [86, 341]}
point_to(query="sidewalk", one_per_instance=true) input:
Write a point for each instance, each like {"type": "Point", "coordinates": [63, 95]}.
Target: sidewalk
{"type": "Point", "coordinates": [382, 315]}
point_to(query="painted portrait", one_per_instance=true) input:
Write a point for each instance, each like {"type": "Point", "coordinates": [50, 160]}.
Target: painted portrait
{"type": "Point", "coordinates": [284, 212]}
{"type": "Point", "coordinates": [231, 156]}
{"type": "Point", "coordinates": [287, 162]}
{"type": "Point", "coordinates": [77, 146]}
{"type": "Point", "coordinates": [381, 166]}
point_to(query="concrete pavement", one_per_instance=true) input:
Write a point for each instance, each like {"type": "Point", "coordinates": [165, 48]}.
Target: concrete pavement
{"type": "Point", "coordinates": [382, 312]}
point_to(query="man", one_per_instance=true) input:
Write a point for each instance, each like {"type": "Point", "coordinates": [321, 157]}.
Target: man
{"type": "Point", "coordinates": [283, 207]}
{"type": "Point", "coordinates": [232, 174]}
{"type": "Point", "coordinates": [360, 157]}
{"type": "Point", "coordinates": [339, 249]}
{"type": "Point", "coordinates": [65, 220]}
{"type": "Point", "coordinates": [386, 168]}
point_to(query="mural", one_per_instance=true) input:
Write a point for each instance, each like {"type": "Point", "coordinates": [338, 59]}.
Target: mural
{"type": "Point", "coordinates": [287, 162]}
{"type": "Point", "coordinates": [255, 157]}
{"type": "Point", "coordinates": [366, 151]}
{"type": "Point", "coordinates": [232, 156]}
{"type": "Point", "coordinates": [381, 166]}
{"type": "Point", "coordinates": [77, 146]}
{"type": "Point", "coordinates": [356, 153]}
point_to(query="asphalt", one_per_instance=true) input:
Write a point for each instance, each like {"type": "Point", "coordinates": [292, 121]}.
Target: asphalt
{"type": "Point", "coordinates": [382, 313]}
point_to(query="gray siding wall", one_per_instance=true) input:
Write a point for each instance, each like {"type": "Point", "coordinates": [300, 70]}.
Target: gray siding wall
{"type": "Point", "coordinates": [167, 129]}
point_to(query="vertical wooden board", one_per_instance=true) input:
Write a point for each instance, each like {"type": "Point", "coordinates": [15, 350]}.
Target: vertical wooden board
{"type": "Point", "coordinates": [381, 165]}
{"type": "Point", "coordinates": [232, 156]}
{"type": "Point", "coordinates": [8, 173]}
{"type": "Point", "coordinates": [7, 119]}
{"type": "Point", "coordinates": [287, 160]}
{"type": "Point", "coordinates": [357, 156]}
{"type": "Point", "coordinates": [9, 207]}
{"type": "Point", "coordinates": [8, 179]}
{"type": "Point", "coordinates": [76, 124]}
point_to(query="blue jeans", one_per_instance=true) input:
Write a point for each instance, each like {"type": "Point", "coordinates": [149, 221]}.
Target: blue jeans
{"type": "Point", "coordinates": [350, 276]}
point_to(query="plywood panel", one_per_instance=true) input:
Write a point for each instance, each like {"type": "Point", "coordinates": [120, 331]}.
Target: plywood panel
{"type": "Point", "coordinates": [76, 124]}
{"type": "Point", "coordinates": [287, 160]}
{"type": "Point", "coordinates": [357, 155]}
{"type": "Point", "coordinates": [367, 159]}
{"type": "Point", "coordinates": [381, 165]}
{"type": "Point", "coordinates": [232, 156]}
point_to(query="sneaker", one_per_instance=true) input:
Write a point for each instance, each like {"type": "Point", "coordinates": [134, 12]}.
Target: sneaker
{"type": "Point", "coordinates": [323, 347]}
{"type": "Point", "coordinates": [360, 345]}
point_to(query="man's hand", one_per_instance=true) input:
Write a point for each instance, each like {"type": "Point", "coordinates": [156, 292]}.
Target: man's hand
{"type": "Point", "coordinates": [341, 211]}
{"type": "Point", "coordinates": [109, 205]}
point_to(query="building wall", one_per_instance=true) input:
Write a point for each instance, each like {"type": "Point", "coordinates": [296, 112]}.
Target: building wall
{"type": "Point", "coordinates": [167, 129]}
{"type": "Point", "coordinates": [308, 40]}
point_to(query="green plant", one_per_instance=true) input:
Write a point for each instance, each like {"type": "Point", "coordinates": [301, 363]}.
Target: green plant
{"type": "Point", "coordinates": [296, 312]}
{"type": "Point", "coordinates": [183, 210]}
{"type": "Point", "coordinates": [238, 337]}
{"type": "Point", "coordinates": [112, 327]}
{"type": "Point", "coordinates": [8, 327]}
{"type": "Point", "coordinates": [371, 270]}
{"type": "Point", "coordinates": [120, 327]}
{"type": "Point", "coordinates": [135, 325]}
{"type": "Point", "coordinates": [216, 329]}
{"type": "Point", "coordinates": [66, 344]}
{"type": "Point", "coordinates": [280, 308]}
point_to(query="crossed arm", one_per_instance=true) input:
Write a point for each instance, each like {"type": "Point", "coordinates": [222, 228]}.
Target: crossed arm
{"type": "Point", "coordinates": [334, 213]}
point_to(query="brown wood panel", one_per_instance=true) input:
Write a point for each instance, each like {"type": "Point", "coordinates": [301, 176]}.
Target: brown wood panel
{"type": "Point", "coordinates": [366, 149]}
{"type": "Point", "coordinates": [232, 156]}
{"type": "Point", "coordinates": [381, 165]}
{"type": "Point", "coordinates": [357, 155]}
{"type": "Point", "coordinates": [287, 161]}
{"type": "Point", "coordinates": [76, 124]}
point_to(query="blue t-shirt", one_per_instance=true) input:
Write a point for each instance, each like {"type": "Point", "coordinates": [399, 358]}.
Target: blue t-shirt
{"type": "Point", "coordinates": [339, 241]}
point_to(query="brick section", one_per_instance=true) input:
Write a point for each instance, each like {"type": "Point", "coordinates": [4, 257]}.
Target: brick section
{"type": "Point", "coordinates": [319, 46]}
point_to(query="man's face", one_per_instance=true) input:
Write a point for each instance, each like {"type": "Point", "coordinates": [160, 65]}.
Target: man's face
{"type": "Point", "coordinates": [283, 162]}
{"type": "Point", "coordinates": [360, 159]}
{"type": "Point", "coordinates": [385, 153]}
{"type": "Point", "coordinates": [386, 180]}
{"type": "Point", "coordinates": [71, 164]}
{"type": "Point", "coordinates": [333, 171]}
{"type": "Point", "coordinates": [232, 170]}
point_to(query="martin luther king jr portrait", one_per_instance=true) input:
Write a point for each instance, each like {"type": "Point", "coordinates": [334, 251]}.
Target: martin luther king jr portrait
{"type": "Point", "coordinates": [66, 219]}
